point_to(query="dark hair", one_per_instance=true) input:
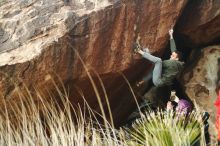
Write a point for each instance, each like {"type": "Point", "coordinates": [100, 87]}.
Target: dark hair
{"type": "Point", "coordinates": [180, 55]}
{"type": "Point", "coordinates": [174, 104]}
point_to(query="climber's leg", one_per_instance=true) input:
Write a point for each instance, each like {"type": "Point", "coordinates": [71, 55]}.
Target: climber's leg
{"type": "Point", "coordinates": [157, 71]}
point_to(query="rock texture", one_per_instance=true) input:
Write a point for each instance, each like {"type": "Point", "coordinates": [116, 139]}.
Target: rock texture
{"type": "Point", "coordinates": [200, 23]}
{"type": "Point", "coordinates": [201, 78]}
{"type": "Point", "coordinates": [197, 28]}
{"type": "Point", "coordinates": [40, 39]}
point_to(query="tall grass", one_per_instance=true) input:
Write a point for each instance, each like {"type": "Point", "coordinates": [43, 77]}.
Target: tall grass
{"type": "Point", "coordinates": [47, 122]}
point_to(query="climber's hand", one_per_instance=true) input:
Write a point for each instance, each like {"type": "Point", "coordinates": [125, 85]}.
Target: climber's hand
{"type": "Point", "coordinates": [171, 33]}
{"type": "Point", "coordinates": [169, 105]}
{"type": "Point", "coordinates": [138, 84]}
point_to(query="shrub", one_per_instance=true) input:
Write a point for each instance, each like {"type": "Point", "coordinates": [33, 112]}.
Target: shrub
{"type": "Point", "coordinates": [164, 128]}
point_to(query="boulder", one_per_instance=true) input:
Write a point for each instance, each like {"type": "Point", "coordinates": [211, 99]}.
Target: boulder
{"type": "Point", "coordinates": [199, 24]}
{"type": "Point", "coordinates": [201, 77]}
{"type": "Point", "coordinates": [56, 40]}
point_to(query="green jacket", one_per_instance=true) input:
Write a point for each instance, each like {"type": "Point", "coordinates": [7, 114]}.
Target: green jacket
{"type": "Point", "coordinates": [170, 70]}
{"type": "Point", "coordinates": [172, 45]}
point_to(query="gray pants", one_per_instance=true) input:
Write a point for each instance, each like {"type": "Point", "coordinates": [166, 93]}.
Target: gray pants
{"type": "Point", "coordinates": [157, 71]}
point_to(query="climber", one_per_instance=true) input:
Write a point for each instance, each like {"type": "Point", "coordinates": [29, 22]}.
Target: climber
{"type": "Point", "coordinates": [166, 71]}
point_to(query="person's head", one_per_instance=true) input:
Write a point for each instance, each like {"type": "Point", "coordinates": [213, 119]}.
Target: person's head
{"type": "Point", "coordinates": [176, 55]}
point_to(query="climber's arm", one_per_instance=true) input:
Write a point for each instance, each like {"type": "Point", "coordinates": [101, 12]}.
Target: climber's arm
{"type": "Point", "coordinates": [172, 41]}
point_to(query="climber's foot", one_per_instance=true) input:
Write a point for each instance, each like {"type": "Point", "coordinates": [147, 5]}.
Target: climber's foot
{"type": "Point", "coordinates": [136, 47]}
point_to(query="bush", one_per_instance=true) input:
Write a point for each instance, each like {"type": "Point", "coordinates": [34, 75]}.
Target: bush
{"type": "Point", "coordinates": [164, 128]}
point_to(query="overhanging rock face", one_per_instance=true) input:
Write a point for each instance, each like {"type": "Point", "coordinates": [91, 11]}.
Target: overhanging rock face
{"type": "Point", "coordinates": [199, 27]}
{"type": "Point", "coordinates": [200, 22]}
{"type": "Point", "coordinates": [43, 38]}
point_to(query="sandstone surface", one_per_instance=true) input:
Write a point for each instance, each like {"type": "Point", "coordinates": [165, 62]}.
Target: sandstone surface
{"type": "Point", "coordinates": [47, 38]}
{"type": "Point", "coordinates": [199, 24]}
{"type": "Point", "coordinates": [201, 78]}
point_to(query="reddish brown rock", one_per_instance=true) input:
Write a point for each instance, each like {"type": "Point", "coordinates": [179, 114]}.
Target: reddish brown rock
{"type": "Point", "coordinates": [40, 40]}
{"type": "Point", "coordinates": [201, 78]}
{"type": "Point", "coordinates": [200, 22]}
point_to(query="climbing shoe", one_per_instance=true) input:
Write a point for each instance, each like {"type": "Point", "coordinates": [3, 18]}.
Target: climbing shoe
{"type": "Point", "coordinates": [136, 47]}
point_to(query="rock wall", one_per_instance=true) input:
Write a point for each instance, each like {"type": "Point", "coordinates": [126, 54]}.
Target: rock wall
{"type": "Point", "coordinates": [201, 77]}
{"type": "Point", "coordinates": [43, 38]}
{"type": "Point", "coordinates": [198, 30]}
{"type": "Point", "coordinates": [199, 23]}
{"type": "Point", "coordinates": [40, 40]}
